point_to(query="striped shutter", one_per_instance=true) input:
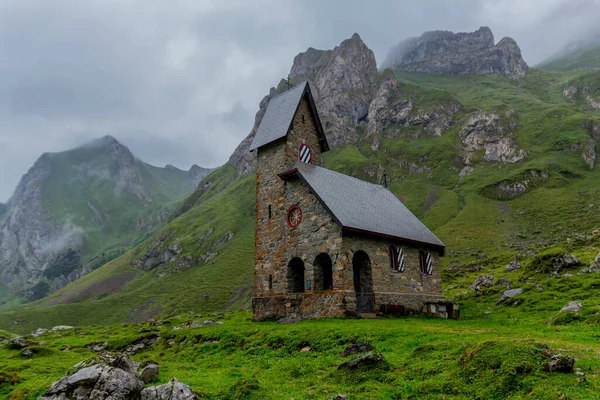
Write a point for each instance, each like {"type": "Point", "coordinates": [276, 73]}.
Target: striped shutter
{"type": "Point", "coordinates": [400, 260]}
{"type": "Point", "coordinates": [305, 154]}
{"type": "Point", "coordinates": [429, 263]}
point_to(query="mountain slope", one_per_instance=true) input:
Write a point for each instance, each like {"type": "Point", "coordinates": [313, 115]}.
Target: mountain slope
{"type": "Point", "coordinates": [77, 209]}
{"type": "Point", "coordinates": [580, 58]}
{"type": "Point", "coordinates": [499, 169]}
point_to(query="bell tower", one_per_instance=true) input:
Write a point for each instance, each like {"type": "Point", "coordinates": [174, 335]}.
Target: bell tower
{"type": "Point", "coordinates": [290, 132]}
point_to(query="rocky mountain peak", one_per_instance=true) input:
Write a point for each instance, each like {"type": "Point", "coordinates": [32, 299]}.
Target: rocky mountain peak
{"type": "Point", "coordinates": [460, 53]}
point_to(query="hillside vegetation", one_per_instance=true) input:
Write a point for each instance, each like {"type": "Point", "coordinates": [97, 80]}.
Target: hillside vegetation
{"type": "Point", "coordinates": [491, 358]}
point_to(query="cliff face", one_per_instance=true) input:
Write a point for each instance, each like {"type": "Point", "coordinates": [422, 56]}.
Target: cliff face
{"type": "Point", "coordinates": [78, 203]}
{"type": "Point", "coordinates": [350, 97]}
{"type": "Point", "coordinates": [462, 53]}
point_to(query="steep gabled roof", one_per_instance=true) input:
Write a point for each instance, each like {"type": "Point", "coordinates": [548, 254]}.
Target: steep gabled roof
{"type": "Point", "coordinates": [279, 116]}
{"type": "Point", "coordinates": [361, 206]}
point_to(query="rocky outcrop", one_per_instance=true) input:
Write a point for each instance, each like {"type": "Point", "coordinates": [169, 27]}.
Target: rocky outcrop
{"type": "Point", "coordinates": [350, 98]}
{"type": "Point", "coordinates": [113, 377]}
{"type": "Point", "coordinates": [391, 110]}
{"type": "Point", "coordinates": [196, 174]}
{"type": "Point", "coordinates": [345, 87]}
{"type": "Point", "coordinates": [445, 52]}
{"type": "Point", "coordinates": [491, 133]}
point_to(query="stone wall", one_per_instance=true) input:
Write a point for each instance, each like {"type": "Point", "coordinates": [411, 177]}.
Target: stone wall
{"type": "Point", "coordinates": [276, 242]}
{"type": "Point", "coordinates": [411, 289]}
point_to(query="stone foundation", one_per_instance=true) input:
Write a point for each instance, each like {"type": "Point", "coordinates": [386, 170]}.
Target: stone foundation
{"type": "Point", "coordinates": [332, 304]}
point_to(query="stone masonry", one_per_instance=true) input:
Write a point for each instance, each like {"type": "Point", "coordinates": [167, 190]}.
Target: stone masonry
{"type": "Point", "coordinates": [280, 291]}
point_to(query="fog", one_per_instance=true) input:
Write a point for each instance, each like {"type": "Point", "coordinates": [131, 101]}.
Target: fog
{"type": "Point", "coordinates": [179, 82]}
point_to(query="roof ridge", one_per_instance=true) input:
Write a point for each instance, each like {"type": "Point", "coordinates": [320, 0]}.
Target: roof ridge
{"type": "Point", "coordinates": [349, 176]}
{"type": "Point", "coordinates": [289, 90]}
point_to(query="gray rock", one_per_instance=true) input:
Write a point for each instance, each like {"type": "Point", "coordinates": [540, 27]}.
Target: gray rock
{"type": "Point", "coordinates": [513, 266]}
{"type": "Point", "coordinates": [461, 53]}
{"type": "Point", "coordinates": [39, 332]}
{"type": "Point", "coordinates": [509, 294]}
{"type": "Point", "coordinates": [173, 390]}
{"type": "Point", "coordinates": [27, 353]}
{"type": "Point", "coordinates": [149, 373]}
{"type": "Point", "coordinates": [594, 266]}
{"type": "Point", "coordinates": [338, 397]}
{"type": "Point", "coordinates": [492, 133]}
{"type": "Point", "coordinates": [113, 377]}
{"type": "Point", "coordinates": [561, 363]}
{"type": "Point", "coordinates": [481, 282]}
{"type": "Point", "coordinates": [368, 359]}
{"type": "Point", "coordinates": [19, 343]}
{"type": "Point", "coordinates": [572, 306]}
{"type": "Point", "coordinates": [61, 328]}
{"type": "Point", "coordinates": [565, 261]}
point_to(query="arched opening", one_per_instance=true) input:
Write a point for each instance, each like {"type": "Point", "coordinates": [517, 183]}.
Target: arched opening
{"type": "Point", "coordinates": [323, 269]}
{"type": "Point", "coordinates": [363, 281]}
{"type": "Point", "coordinates": [296, 275]}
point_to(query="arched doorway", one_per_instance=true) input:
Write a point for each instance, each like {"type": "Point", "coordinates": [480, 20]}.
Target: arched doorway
{"type": "Point", "coordinates": [323, 270]}
{"type": "Point", "coordinates": [363, 281]}
{"type": "Point", "coordinates": [296, 275]}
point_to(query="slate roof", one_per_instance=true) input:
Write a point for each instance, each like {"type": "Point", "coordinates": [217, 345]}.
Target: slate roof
{"type": "Point", "coordinates": [279, 115]}
{"type": "Point", "coordinates": [362, 206]}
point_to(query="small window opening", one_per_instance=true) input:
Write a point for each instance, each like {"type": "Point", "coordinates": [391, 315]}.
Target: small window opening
{"type": "Point", "coordinates": [396, 258]}
{"type": "Point", "coordinates": [302, 118]}
{"type": "Point", "coordinates": [269, 211]}
{"type": "Point", "coordinates": [305, 154]}
{"type": "Point", "coordinates": [426, 262]}
{"type": "Point", "coordinates": [270, 282]}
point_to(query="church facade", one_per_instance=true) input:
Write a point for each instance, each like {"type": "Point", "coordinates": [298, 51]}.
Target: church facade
{"type": "Point", "coordinates": [327, 244]}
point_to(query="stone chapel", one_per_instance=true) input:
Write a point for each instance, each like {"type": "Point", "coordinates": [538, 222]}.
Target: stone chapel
{"type": "Point", "coordinates": [328, 244]}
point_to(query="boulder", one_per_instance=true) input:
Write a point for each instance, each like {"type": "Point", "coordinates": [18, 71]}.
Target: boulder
{"type": "Point", "coordinates": [565, 261]}
{"type": "Point", "coordinates": [172, 390]}
{"type": "Point", "coordinates": [338, 397]}
{"type": "Point", "coordinates": [114, 377]}
{"type": "Point", "coordinates": [560, 363]}
{"type": "Point", "coordinates": [357, 348]}
{"type": "Point", "coordinates": [513, 266]}
{"type": "Point", "coordinates": [594, 266]}
{"type": "Point", "coordinates": [149, 373]}
{"type": "Point", "coordinates": [572, 306]}
{"type": "Point", "coordinates": [509, 294]}
{"type": "Point", "coordinates": [481, 282]}
{"type": "Point", "coordinates": [20, 342]}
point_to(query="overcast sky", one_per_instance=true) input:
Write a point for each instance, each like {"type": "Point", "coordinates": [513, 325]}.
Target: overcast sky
{"type": "Point", "coordinates": [179, 81]}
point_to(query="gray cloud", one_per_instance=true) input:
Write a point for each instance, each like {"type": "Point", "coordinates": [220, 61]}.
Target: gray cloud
{"type": "Point", "coordinates": [179, 82]}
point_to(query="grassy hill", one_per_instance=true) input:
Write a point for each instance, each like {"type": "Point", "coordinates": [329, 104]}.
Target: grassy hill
{"type": "Point", "coordinates": [585, 58]}
{"type": "Point", "coordinates": [497, 357]}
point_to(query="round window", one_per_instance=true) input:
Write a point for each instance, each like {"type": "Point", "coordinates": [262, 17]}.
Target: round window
{"type": "Point", "coordinates": [294, 216]}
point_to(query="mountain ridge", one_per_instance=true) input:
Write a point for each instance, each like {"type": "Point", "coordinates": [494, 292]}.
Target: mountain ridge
{"type": "Point", "coordinates": [459, 53]}
{"type": "Point", "coordinates": [67, 204]}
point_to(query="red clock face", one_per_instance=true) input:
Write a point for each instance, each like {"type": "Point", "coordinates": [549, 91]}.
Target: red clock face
{"type": "Point", "coordinates": [294, 216]}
